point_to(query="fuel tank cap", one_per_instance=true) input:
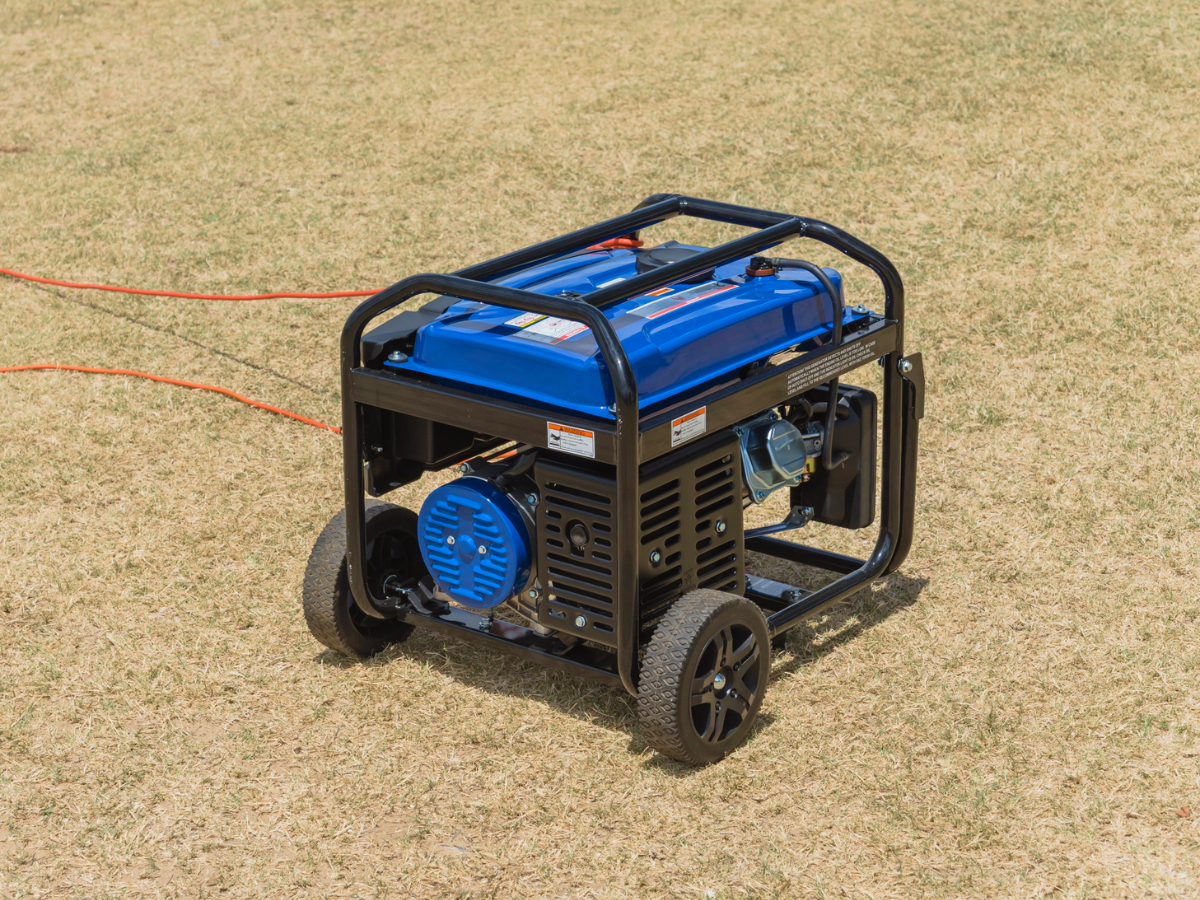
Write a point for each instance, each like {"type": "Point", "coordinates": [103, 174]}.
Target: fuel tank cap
{"type": "Point", "coordinates": [671, 252]}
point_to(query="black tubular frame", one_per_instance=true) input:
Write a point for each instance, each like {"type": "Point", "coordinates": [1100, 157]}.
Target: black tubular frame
{"type": "Point", "coordinates": [629, 441]}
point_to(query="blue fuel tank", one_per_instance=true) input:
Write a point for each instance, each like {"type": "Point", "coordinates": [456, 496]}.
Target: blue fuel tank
{"type": "Point", "coordinates": [679, 339]}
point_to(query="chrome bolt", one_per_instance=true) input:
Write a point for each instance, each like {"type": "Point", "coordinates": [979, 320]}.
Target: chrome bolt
{"type": "Point", "coordinates": [533, 593]}
{"type": "Point", "coordinates": [482, 550]}
{"type": "Point", "coordinates": [738, 431]}
{"type": "Point", "coordinates": [719, 681]}
{"type": "Point", "coordinates": [531, 499]}
{"type": "Point", "coordinates": [719, 527]}
{"type": "Point", "coordinates": [464, 468]}
{"type": "Point", "coordinates": [718, 707]}
{"type": "Point", "coordinates": [450, 540]}
{"type": "Point", "coordinates": [761, 495]}
{"type": "Point", "coordinates": [655, 557]}
{"type": "Point", "coordinates": [397, 356]}
{"type": "Point", "coordinates": [905, 366]}
{"type": "Point", "coordinates": [580, 621]}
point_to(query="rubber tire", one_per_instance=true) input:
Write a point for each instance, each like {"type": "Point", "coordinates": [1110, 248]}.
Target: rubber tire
{"type": "Point", "coordinates": [669, 665]}
{"type": "Point", "coordinates": [326, 593]}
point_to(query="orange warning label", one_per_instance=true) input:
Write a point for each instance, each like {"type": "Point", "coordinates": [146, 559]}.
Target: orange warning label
{"type": "Point", "coordinates": [687, 427]}
{"type": "Point", "coordinates": [571, 440]}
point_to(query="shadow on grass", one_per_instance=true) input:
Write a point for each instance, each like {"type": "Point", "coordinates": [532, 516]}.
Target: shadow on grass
{"type": "Point", "coordinates": [614, 710]}
{"type": "Point", "coordinates": [843, 622]}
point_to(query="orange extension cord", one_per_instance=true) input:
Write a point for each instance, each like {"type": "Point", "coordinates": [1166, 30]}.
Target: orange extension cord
{"type": "Point", "coordinates": [187, 384]}
{"type": "Point", "coordinates": [124, 290]}
{"type": "Point", "coordinates": [615, 243]}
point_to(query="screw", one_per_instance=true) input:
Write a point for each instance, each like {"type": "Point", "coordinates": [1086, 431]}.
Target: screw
{"type": "Point", "coordinates": [905, 366]}
{"type": "Point", "coordinates": [739, 432]}
{"type": "Point", "coordinates": [761, 495]}
{"type": "Point", "coordinates": [720, 527]}
{"type": "Point", "coordinates": [861, 310]}
{"type": "Point", "coordinates": [719, 681]}
{"type": "Point", "coordinates": [450, 540]}
{"type": "Point", "coordinates": [531, 499]}
{"type": "Point", "coordinates": [533, 593]}
{"type": "Point", "coordinates": [464, 468]}
{"type": "Point", "coordinates": [718, 707]}
{"type": "Point", "coordinates": [482, 550]}
{"type": "Point", "coordinates": [580, 621]}
{"type": "Point", "coordinates": [397, 356]}
{"type": "Point", "coordinates": [655, 557]}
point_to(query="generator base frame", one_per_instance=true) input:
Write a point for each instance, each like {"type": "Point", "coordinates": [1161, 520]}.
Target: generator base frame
{"type": "Point", "coordinates": [630, 439]}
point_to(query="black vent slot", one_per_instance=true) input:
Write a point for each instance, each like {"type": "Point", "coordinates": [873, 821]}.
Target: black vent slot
{"type": "Point", "coordinates": [691, 515]}
{"type": "Point", "coordinates": [576, 581]}
{"type": "Point", "coordinates": [689, 506]}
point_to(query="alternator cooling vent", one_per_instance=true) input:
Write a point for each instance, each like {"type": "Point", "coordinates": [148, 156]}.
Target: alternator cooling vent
{"type": "Point", "coordinates": [474, 542]}
{"type": "Point", "coordinates": [576, 548]}
{"type": "Point", "coordinates": [689, 506]}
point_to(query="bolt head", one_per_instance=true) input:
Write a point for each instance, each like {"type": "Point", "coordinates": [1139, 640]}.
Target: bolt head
{"type": "Point", "coordinates": [397, 356]}
{"type": "Point", "coordinates": [655, 557]}
{"type": "Point", "coordinates": [719, 681]}
{"type": "Point", "coordinates": [720, 527]}
{"type": "Point", "coordinates": [905, 366]}
{"type": "Point", "coordinates": [464, 468]}
{"type": "Point", "coordinates": [580, 621]}
{"type": "Point", "coordinates": [533, 593]}
{"type": "Point", "coordinates": [531, 499]}
{"type": "Point", "coordinates": [761, 495]}
{"type": "Point", "coordinates": [450, 540]}
{"type": "Point", "coordinates": [482, 550]}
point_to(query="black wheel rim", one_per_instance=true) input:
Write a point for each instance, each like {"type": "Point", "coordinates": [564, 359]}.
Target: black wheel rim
{"type": "Point", "coordinates": [390, 555]}
{"type": "Point", "coordinates": [725, 683]}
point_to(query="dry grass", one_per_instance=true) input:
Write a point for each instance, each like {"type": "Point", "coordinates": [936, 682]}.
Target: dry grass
{"type": "Point", "coordinates": [1015, 716]}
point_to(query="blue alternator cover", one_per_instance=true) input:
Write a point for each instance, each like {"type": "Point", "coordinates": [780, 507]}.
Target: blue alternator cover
{"type": "Point", "coordinates": [474, 542]}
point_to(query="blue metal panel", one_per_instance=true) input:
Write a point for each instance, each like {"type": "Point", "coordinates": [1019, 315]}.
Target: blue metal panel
{"type": "Point", "coordinates": [678, 341]}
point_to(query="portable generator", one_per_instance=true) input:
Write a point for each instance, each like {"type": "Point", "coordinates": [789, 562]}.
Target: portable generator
{"type": "Point", "coordinates": [612, 410]}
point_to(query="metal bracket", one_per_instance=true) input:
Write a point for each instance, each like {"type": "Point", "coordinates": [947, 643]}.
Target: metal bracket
{"type": "Point", "coordinates": [797, 518]}
{"type": "Point", "coordinates": [912, 370]}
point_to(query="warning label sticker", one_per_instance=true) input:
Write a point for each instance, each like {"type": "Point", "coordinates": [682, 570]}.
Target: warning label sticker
{"type": "Point", "coordinates": [524, 319]}
{"type": "Point", "coordinates": [826, 367]}
{"type": "Point", "coordinates": [546, 329]}
{"type": "Point", "coordinates": [687, 427]}
{"type": "Point", "coordinates": [571, 440]}
{"type": "Point", "coordinates": [664, 305]}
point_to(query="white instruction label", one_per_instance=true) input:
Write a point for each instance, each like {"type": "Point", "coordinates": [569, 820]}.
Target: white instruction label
{"type": "Point", "coordinates": [571, 440]}
{"type": "Point", "coordinates": [546, 329]}
{"type": "Point", "coordinates": [687, 427]}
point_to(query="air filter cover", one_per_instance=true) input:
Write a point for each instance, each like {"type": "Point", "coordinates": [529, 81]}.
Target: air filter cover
{"type": "Point", "coordinates": [475, 542]}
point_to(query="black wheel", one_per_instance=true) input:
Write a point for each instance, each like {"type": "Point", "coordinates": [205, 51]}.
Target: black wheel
{"type": "Point", "coordinates": [329, 608]}
{"type": "Point", "coordinates": [703, 676]}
